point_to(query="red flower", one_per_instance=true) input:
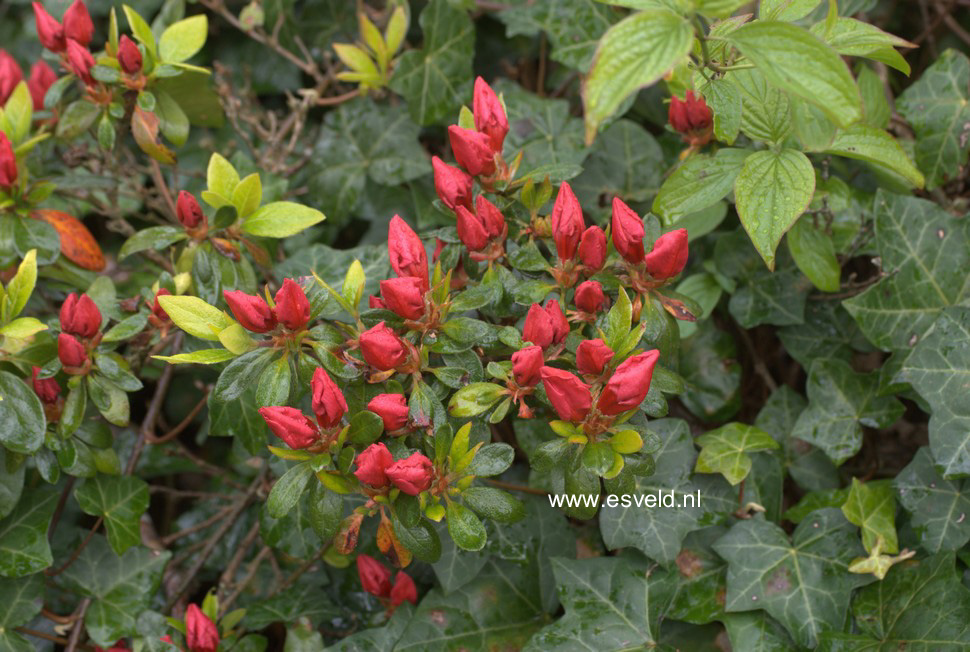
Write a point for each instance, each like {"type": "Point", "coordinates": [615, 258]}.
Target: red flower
{"type": "Point", "coordinates": [49, 31]}
{"type": "Point", "coordinates": [592, 356]}
{"type": "Point", "coordinates": [80, 316]}
{"type": "Point", "coordinates": [569, 396]}
{"type": "Point", "coordinates": [471, 231]}
{"type": "Point", "coordinates": [691, 114]}
{"type": "Point", "coordinates": [292, 307]}
{"type": "Point", "coordinates": [545, 326]}
{"type": "Point", "coordinates": [452, 184]}
{"type": "Point", "coordinates": [80, 60]}
{"type": "Point", "coordinates": [526, 364]}
{"type": "Point", "coordinates": [157, 309]}
{"type": "Point", "coordinates": [406, 251]}
{"type": "Point", "coordinates": [42, 77]}
{"type": "Point", "coordinates": [567, 223]}
{"type": "Point", "coordinates": [8, 163]}
{"type": "Point", "coordinates": [77, 23]}
{"type": "Point", "coordinates": [188, 211]}
{"type": "Point", "coordinates": [392, 409]}
{"type": "Point", "coordinates": [372, 465]}
{"type": "Point", "coordinates": [560, 327]}
{"type": "Point", "coordinates": [490, 216]}
{"type": "Point", "coordinates": [592, 248]}
{"type": "Point", "coordinates": [129, 56]}
{"type": "Point", "coordinates": [629, 384]}
{"type": "Point", "coordinates": [46, 389]}
{"type": "Point", "coordinates": [328, 401]}
{"type": "Point", "coordinates": [374, 576]}
{"type": "Point", "coordinates": [201, 634]}
{"type": "Point", "coordinates": [490, 118]}
{"type": "Point", "coordinates": [251, 311]}
{"type": "Point", "coordinates": [669, 255]}
{"type": "Point", "coordinates": [589, 297]}
{"type": "Point", "coordinates": [376, 303]}
{"type": "Point", "coordinates": [10, 76]}
{"type": "Point", "coordinates": [412, 475]}
{"type": "Point", "coordinates": [290, 425]}
{"type": "Point", "coordinates": [627, 232]}
{"type": "Point", "coordinates": [70, 351]}
{"type": "Point", "coordinates": [404, 296]}
{"type": "Point", "coordinates": [382, 348]}
{"type": "Point", "coordinates": [472, 150]}
{"type": "Point", "coordinates": [404, 590]}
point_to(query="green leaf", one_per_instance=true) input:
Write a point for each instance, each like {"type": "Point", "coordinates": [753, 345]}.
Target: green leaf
{"type": "Point", "coordinates": [248, 195]}
{"type": "Point", "coordinates": [181, 40]}
{"type": "Point", "coordinates": [725, 450]}
{"type": "Point", "coordinates": [626, 161]}
{"type": "Point", "coordinates": [20, 601]}
{"type": "Point", "coordinates": [937, 106]}
{"type": "Point", "coordinates": [172, 121]}
{"type": "Point", "coordinates": [611, 603]}
{"type": "Point", "coordinates": [154, 237]}
{"type": "Point", "coordinates": [573, 27]}
{"type": "Point", "coordinates": [281, 219]}
{"type": "Point", "coordinates": [814, 253]}
{"type": "Point", "coordinates": [76, 119]}
{"type": "Point", "coordinates": [939, 509]}
{"type": "Point", "coordinates": [202, 356]}
{"type": "Point", "coordinates": [841, 401]}
{"type": "Point", "coordinates": [465, 528]}
{"type": "Point", "coordinates": [126, 328]}
{"type": "Point", "coordinates": [765, 109]}
{"type": "Point", "coordinates": [772, 190]}
{"type": "Point", "coordinates": [287, 490]}
{"type": "Point", "coordinates": [121, 500]}
{"type": "Point", "coordinates": [766, 571]}
{"type": "Point", "coordinates": [788, 10]}
{"type": "Point", "coordinates": [195, 316]}
{"type": "Point", "coordinates": [701, 181]}
{"type": "Point", "coordinates": [421, 540]}
{"type": "Point", "coordinates": [474, 398]}
{"type": "Point", "coordinates": [877, 147]}
{"type": "Point", "coordinates": [21, 286]}
{"type": "Point", "coordinates": [724, 98]}
{"type": "Point", "coordinates": [365, 428]}
{"type": "Point", "coordinates": [872, 507]}
{"type": "Point", "coordinates": [797, 61]}
{"type": "Point", "coordinates": [634, 53]}
{"type": "Point", "coordinates": [23, 535]}
{"type": "Point", "coordinates": [23, 328]}
{"type": "Point", "coordinates": [240, 374]}
{"type": "Point", "coordinates": [120, 587]}
{"type": "Point", "coordinates": [141, 30]}
{"type": "Point", "coordinates": [436, 79]}
{"type": "Point", "coordinates": [855, 38]}
{"type": "Point", "coordinates": [939, 369]}
{"type": "Point", "coordinates": [494, 504]}
{"type": "Point", "coordinates": [22, 421]}
{"type": "Point", "coordinates": [221, 179]}
{"type": "Point", "coordinates": [491, 459]}
{"type": "Point", "coordinates": [111, 400]}
{"type": "Point", "coordinates": [17, 113]}
{"type": "Point", "coordinates": [273, 386]}
{"type": "Point", "coordinates": [11, 481]}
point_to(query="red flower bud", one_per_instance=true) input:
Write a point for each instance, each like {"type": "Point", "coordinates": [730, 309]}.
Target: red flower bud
{"type": "Point", "coordinates": [374, 576]}
{"type": "Point", "coordinates": [592, 248]}
{"type": "Point", "coordinates": [439, 246]}
{"type": "Point", "coordinates": [526, 364]}
{"type": "Point", "coordinates": [404, 296]}
{"type": "Point", "coordinates": [569, 396]}
{"type": "Point", "coordinates": [10, 76]}
{"type": "Point", "coordinates": [560, 326]}
{"type": "Point", "coordinates": [8, 163]}
{"type": "Point", "coordinates": [290, 425]}
{"type": "Point", "coordinates": [376, 303]}
{"type": "Point", "coordinates": [627, 232]}
{"type": "Point", "coordinates": [77, 23]}
{"type": "Point", "coordinates": [328, 401]}
{"type": "Point", "coordinates": [46, 389]}
{"type": "Point", "coordinates": [80, 60]}
{"type": "Point", "coordinates": [42, 77]}
{"type": "Point", "coordinates": [80, 316]}
{"type": "Point", "coordinates": [677, 115]}
{"type": "Point", "coordinates": [392, 409]}
{"type": "Point", "coordinates": [201, 634]}
{"type": "Point", "coordinates": [49, 31]}
{"type": "Point", "coordinates": [472, 150]}
{"type": "Point", "coordinates": [188, 211]}
{"type": "Point", "coordinates": [669, 255]}
{"type": "Point", "coordinates": [691, 117]}
{"type": "Point", "coordinates": [129, 56]}
{"type": "Point", "coordinates": [589, 297]}
{"type": "Point", "coordinates": [157, 309]}
{"type": "Point", "coordinates": [698, 113]}
{"type": "Point", "coordinates": [406, 251]}
{"type": "Point", "coordinates": [490, 118]}
{"type": "Point", "coordinates": [404, 590]}
{"type": "Point", "coordinates": [545, 326]}
{"type": "Point", "coordinates": [372, 465]}
{"type": "Point", "coordinates": [412, 475]}
{"type": "Point", "coordinates": [567, 223]}
{"type": "Point", "coordinates": [292, 307]}
{"type": "Point", "coordinates": [453, 185]}
{"type": "Point", "coordinates": [382, 348]}
{"type": "Point", "coordinates": [70, 351]}
{"type": "Point", "coordinates": [629, 384]}
{"type": "Point", "coordinates": [251, 311]}
{"type": "Point", "coordinates": [592, 356]}
{"type": "Point", "coordinates": [471, 231]}
{"type": "Point", "coordinates": [490, 216]}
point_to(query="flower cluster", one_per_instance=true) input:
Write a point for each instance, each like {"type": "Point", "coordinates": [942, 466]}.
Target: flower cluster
{"type": "Point", "coordinates": [375, 578]}
{"type": "Point", "coordinates": [80, 333]}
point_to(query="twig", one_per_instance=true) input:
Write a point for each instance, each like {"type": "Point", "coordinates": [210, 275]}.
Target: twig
{"type": "Point", "coordinates": [48, 637]}
{"type": "Point", "coordinates": [148, 425]}
{"type": "Point", "coordinates": [291, 580]}
{"type": "Point", "coordinates": [75, 639]}
{"type": "Point", "coordinates": [215, 518]}
{"type": "Point", "coordinates": [162, 186]}
{"type": "Point", "coordinates": [230, 572]}
{"type": "Point", "coordinates": [182, 425]}
{"type": "Point", "coordinates": [516, 487]}
{"type": "Point", "coordinates": [759, 365]}
{"type": "Point", "coordinates": [61, 502]}
{"type": "Point", "coordinates": [77, 551]}
{"type": "Point", "coordinates": [250, 574]}
{"type": "Point", "coordinates": [338, 99]}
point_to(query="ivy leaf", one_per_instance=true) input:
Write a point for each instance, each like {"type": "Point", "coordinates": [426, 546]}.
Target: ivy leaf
{"type": "Point", "coordinates": [436, 79]}
{"type": "Point", "coordinates": [121, 500]}
{"type": "Point", "coordinates": [23, 535]}
{"type": "Point", "coordinates": [768, 297]}
{"type": "Point", "coordinates": [767, 571]}
{"type": "Point", "coordinates": [872, 507]}
{"type": "Point", "coordinates": [20, 600]}
{"type": "Point", "coordinates": [573, 27]}
{"type": "Point", "coordinates": [611, 603]}
{"type": "Point", "coordinates": [841, 401]}
{"type": "Point", "coordinates": [939, 509]}
{"type": "Point", "coordinates": [939, 368]}
{"type": "Point", "coordinates": [725, 450]}
{"type": "Point", "coordinates": [937, 105]}
{"type": "Point", "coordinates": [828, 333]}
{"type": "Point", "coordinates": [626, 161]}
{"type": "Point", "coordinates": [756, 631]}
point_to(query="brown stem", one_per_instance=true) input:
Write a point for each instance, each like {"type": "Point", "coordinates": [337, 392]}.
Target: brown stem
{"type": "Point", "coordinates": [162, 186]}
{"type": "Point", "coordinates": [215, 518]}
{"type": "Point", "coordinates": [230, 573]}
{"type": "Point", "coordinates": [250, 574]}
{"type": "Point", "coordinates": [74, 641]}
{"type": "Point", "coordinates": [77, 551]}
{"type": "Point", "coordinates": [516, 487]}
{"type": "Point", "coordinates": [183, 424]}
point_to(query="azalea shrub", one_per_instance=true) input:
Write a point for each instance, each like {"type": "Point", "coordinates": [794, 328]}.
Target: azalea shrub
{"type": "Point", "coordinates": [465, 325]}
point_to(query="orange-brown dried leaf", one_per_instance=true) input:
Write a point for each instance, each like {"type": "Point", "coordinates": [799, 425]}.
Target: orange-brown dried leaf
{"type": "Point", "coordinates": [144, 127]}
{"type": "Point", "coordinates": [77, 243]}
{"type": "Point", "coordinates": [388, 543]}
{"type": "Point", "coordinates": [345, 541]}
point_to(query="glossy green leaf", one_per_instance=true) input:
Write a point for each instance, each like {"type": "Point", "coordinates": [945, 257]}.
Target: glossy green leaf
{"type": "Point", "coordinates": [181, 40]}
{"type": "Point", "coordinates": [121, 501]}
{"type": "Point", "coordinates": [281, 219]}
{"type": "Point", "coordinates": [698, 183]}
{"type": "Point", "coordinates": [23, 535]}
{"type": "Point", "coordinates": [939, 509]}
{"type": "Point", "coordinates": [22, 420]}
{"type": "Point", "coordinates": [872, 507]}
{"type": "Point", "coordinates": [812, 250]}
